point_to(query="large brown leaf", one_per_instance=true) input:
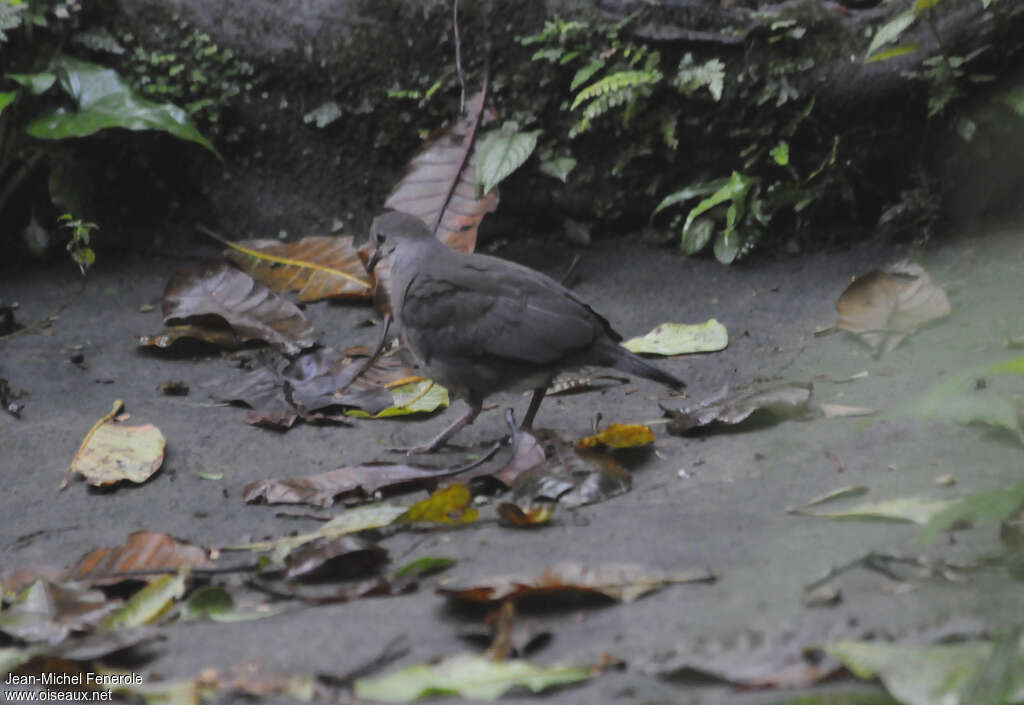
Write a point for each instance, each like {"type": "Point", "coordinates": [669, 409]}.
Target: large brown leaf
{"type": "Point", "coordinates": [252, 310]}
{"type": "Point", "coordinates": [883, 307]}
{"type": "Point", "coordinates": [439, 185]}
{"type": "Point", "coordinates": [361, 481]}
{"type": "Point", "coordinates": [144, 556]}
{"type": "Point", "coordinates": [617, 582]}
{"type": "Point", "coordinates": [318, 267]}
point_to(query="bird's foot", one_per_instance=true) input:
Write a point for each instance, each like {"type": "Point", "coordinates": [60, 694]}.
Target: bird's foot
{"type": "Point", "coordinates": [420, 449]}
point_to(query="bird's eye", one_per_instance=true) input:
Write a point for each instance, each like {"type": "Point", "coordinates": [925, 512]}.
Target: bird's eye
{"type": "Point", "coordinates": [380, 239]}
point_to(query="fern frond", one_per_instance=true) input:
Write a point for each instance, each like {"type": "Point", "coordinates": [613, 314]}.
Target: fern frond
{"type": "Point", "coordinates": [615, 83]}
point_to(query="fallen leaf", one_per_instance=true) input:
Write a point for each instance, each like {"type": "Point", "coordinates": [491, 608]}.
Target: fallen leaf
{"type": "Point", "coordinates": [783, 659]}
{"type": "Point", "coordinates": [616, 582]}
{"type": "Point", "coordinates": [413, 398]}
{"type": "Point", "coordinates": [527, 453]}
{"type": "Point", "coordinates": [775, 402]}
{"type": "Point", "coordinates": [150, 603]}
{"type": "Point", "coordinates": [422, 567]}
{"type": "Point", "coordinates": [835, 411]}
{"type": "Point", "coordinates": [112, 452]}
{"type": "Point", "coordinates": [466, 675]}
{"type": "Point", "coordinates": [852, 491]}
{"type": "Point", "coordinates": [338, 558]}
{"type": "Point", "coordinates": [217, 604]}
{"type": "Point", "coordinates": [918, 510]}
{"type": "Point", "coordinates": [144, 556]}
{"type": "Point", "coordinates": [570, 477]}
{"type": "Point", "coordinates": [283, 390]}
{"type": "Point", "coordinates": [318, 267]}
{"type": "Point", "coordinates": [922, 674]}
{"type": "Point", "coordinates": [439, 183]}
{"type": "Point", "coordinates": [448, 505]}
{"type": "Point", "coordinates": [222, 336]}
{"type": "Point", "coordinates": [361, 481]}
{"type": "Point", "coordinates": [252, 310]}
{"type": "Point", "coordinates": [583, 382]}
{"type": "Point", "coordinates": [528, 518]}
{"type": "Point", "coordinates": [681, 338]}
{"type": "Point", "coordinates": [370, 516]}
{"type": "Point", "coordinates": [618, 435]}
{"type": "Point", "coordinates": [48, 612]}
{"type": "Point", "coordinates": [255, 680]}
{"type": "Point", "coordinates": [883, 307]}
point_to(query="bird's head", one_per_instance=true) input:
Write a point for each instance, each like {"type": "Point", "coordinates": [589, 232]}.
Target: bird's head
{"type": "Point", "coordinates": [390, 229]}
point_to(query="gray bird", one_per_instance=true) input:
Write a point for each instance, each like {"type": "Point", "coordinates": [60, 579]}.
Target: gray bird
{"type": "Point", "coordinates": [479, 324]}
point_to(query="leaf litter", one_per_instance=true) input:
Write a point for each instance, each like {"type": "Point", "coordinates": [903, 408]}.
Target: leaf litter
{"type": "Point", "coordinates": [883, 307]}
{"type": "Point", "coordinates": [770, 403]}
{"type": "Point", "coordinates": [681, 339]}
{"type": "Point", "coordinates": [112, 452]}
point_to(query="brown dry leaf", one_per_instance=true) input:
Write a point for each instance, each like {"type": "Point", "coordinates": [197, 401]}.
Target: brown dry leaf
{"type": "Point", "coordinates": [772, 403]}
{"type": "Point", "coordinates": [439, 183]}
{"type": "Point", "coordinates": [113, 452]}
{"type": "Point", "coordinates": [567, 476]}
{"type": "Point", "coordinates": [340, 558]}
{"type": "Point", "coordinates": [318, 267]}
{"type": "Point", "coordinates": [255, 680]}
{"type": "Point", "coordinates": [883, 307]}
{"type": "Point", "coordinates": [528, 518]}
{"type": "Point", "coordinates": [46, 612]}
{"type": "Point", "coordinates": [618, 435]}
{"type": "Point", "coordinates": [221, 336]}
{"type": "Point", "coordinates": [358, 481]}
{"type": "Point", "coordinates": [146, 555]}
{"type": "Point", "coordinates": [617, 582]}
{"type": "Point", "coordinates": [253, 311]}
{"type": "Point", "coordinates": [448, 505]}
{"type": "Point", "coordinates": [281, 389]}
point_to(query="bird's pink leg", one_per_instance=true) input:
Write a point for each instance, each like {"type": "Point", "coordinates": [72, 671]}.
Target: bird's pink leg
{"type": "Point", "coordinates": [442, 438]}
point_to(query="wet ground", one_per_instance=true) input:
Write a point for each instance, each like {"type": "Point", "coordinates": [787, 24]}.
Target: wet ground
{"type": "Point", "coordinates": [717, 501]}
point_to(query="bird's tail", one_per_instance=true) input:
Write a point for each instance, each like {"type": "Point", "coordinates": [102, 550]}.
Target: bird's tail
{"type": "Point", "coordinates": [610, 354]}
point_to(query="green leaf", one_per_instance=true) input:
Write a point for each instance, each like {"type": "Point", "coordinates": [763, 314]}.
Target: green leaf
{"type": "Point", "coordinates": [891, 31]}
{"type": "Point", "coordinates": [992, 506]}
{"type": "Point", "coordinates": [502, 152]}
{"type": "Point", "coordinates": [696, 237]}
{"type": "Point", "coordinates": [922, 5]}
{"type": "Point", "coordinates": [734, 190]}
{"type": "Point", "coordinates": [780, 153]}
{"type": "Point", "coordinates": [895, 51]}
{"type": "Point", "coordinates": [1015, 99]}
{"type": "Point", "coordinates": [681, 338]}
{"type": "Point", "coordinates": [149, 603]}
{"type": "Point", "coordinates": [412, 398]}
{"type": "Point", "coordinates": [428, 565]}
{"type": "Point", "coordinates": [466, 675]}
{"type": "Point", "coordinates": [559, 167]}
{"type": "Point", "coordinates": [692, 191]}
{"type": "Point", "coordinates": [36, 83]}
{"type": "Point", "coordinates": [106, 101]}
{"type": "Point", "coordinates": [6, 98]}
{"type": "Point", "coordinates": [215, 603]}
{"type": "Point", "coordinates": [585, 73]}
{"type": "Point", "coordinates": [918, 674]}
{"type": "Point", "coordinates": [727, 244]}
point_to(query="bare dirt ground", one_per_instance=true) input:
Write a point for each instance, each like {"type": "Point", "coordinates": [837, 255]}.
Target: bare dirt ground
{"type": "Point", "coordinates": [716, 501]}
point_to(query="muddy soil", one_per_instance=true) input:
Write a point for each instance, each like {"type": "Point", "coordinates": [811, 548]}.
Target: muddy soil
{"type": "Point", "coordinates": [716, 501]}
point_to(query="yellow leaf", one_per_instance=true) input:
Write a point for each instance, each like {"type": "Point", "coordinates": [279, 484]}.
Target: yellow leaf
{"type": "Point", "coordinates": [111, 452]}
{"type": "Point", "coordinates": [680, 338]}
{"type": "Point", "coordinates": [618, 435]}
{"type": "Point", "coordinates": [448, 505]}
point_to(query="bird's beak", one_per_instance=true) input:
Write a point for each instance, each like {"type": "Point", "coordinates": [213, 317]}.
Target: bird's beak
{"type": "Point", "coordinates": [374, 259]}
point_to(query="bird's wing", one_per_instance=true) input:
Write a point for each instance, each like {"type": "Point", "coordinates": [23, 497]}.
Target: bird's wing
{"type": "Point", "coordinates": [475, 308]}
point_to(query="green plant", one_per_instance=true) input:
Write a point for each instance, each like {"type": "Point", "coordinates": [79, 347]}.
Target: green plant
{"type": "Point", "coordinates": [78, 246]}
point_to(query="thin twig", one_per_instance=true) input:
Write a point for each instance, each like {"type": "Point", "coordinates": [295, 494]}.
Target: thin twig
{"type": "Point", "coordinates": [458, 57]}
